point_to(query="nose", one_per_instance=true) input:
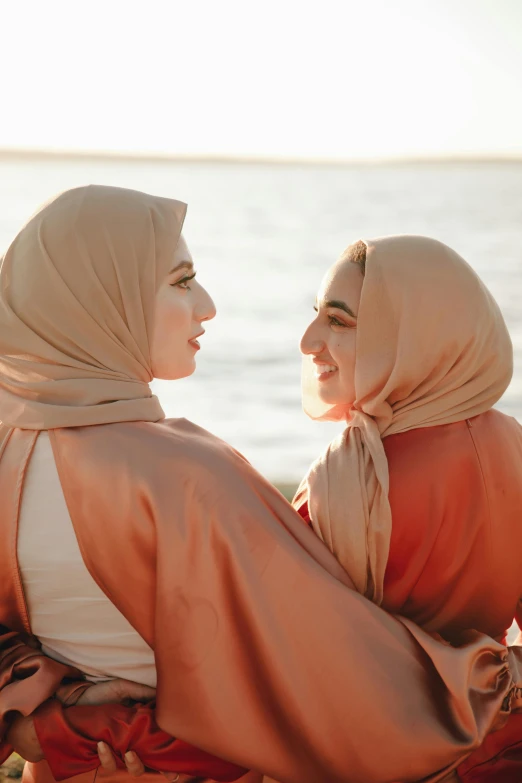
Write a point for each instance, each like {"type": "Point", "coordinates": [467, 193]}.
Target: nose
{"type": "Point", "coordinates": [206, 309]}
{"type": "Point", "coordinates": [311, 341]}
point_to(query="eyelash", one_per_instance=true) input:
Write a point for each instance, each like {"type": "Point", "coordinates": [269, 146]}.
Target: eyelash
{"type": "Point", "coordinates": [335, 322]}
{"type": "Point", "coordinates": [181, 283]}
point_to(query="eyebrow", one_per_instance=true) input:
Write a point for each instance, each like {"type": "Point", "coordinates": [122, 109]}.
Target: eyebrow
{"type": "Point", "coordinates": [339, 305]}
{"type": "Point", "coordinates": [187, 264]}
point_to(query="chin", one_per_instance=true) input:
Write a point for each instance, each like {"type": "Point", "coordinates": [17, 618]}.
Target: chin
{"type": "Point", "coordinates": [175, 373]}
{"type": "Point", "coordinates": [331, 398]}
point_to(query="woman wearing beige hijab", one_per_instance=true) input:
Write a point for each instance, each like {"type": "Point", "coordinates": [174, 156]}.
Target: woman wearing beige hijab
{"type": "Point", "coordinates": [262, 650]}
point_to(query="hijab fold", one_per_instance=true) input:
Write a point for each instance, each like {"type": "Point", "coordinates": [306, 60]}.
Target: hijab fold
{"type": "Point", "coordinates": [432, 348]}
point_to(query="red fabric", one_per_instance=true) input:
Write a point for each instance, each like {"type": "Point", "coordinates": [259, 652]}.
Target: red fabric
{"type": "Point", "coordinates": [26, 677]}
{"type": "Point", "coordinates": [456, 548]}
{"type": "Point", "coordinates": [69, 736]}
{"type": "Point", "coordinates": [455, 560]}
{"type": "Point", "coordinates": [499, 758]}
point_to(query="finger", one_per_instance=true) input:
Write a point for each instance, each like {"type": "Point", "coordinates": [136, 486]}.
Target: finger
{"type": "Point", "coordinates": [134, 764]}
{"type": "Point", "coordinates": [134, 690]}
{"type": "Point", "coordinates": [143, 692]}
{"type": "Point", "coordinates": [106, 757]}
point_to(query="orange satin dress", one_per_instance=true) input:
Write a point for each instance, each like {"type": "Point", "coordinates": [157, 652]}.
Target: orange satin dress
{"type": "Point", "coordinates": [456, 548]}
{"type": "Point", "coordinates": [455, 560]}
{"type": "Point", "coordinates": [456, 555]}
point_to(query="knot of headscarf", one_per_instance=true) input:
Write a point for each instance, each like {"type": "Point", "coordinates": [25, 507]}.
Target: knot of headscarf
{"type": "Point", "coordinates": [432, 348]}
{"type": "Point", "coordinates": [77, 291]}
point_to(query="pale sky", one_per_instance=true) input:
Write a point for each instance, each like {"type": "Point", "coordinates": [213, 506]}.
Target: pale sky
{"type": "Point", "coordinates": [328, 79]}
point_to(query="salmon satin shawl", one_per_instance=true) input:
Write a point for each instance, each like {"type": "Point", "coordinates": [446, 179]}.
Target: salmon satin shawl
{"type": "Point", "coordinates": [266, 656]}
{"type": "Point", "coordinates": [431, 348]}
{"type": "Point", "coordinates": [265, 653]}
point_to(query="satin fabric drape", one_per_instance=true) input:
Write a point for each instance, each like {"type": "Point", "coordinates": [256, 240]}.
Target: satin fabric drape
{"type": "Point", "coordinates": [305, 690]}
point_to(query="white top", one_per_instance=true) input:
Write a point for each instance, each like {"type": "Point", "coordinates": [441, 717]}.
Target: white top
{"type": "Point", "coordinates": [70, 615]}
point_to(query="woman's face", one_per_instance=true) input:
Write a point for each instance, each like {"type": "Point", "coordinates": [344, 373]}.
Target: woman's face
{"type": "Point", "coordinates": [330, 338]}
{"type": "Point", "coordinates": [182, 304]}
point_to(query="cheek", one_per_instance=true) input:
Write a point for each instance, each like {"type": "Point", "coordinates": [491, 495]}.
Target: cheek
{"type": "Point", "coordinates": [343, 352]}
{"type": "Point", "coordinates": [172, 330]}
{"type": "Point", "coordinates": [173, 319]}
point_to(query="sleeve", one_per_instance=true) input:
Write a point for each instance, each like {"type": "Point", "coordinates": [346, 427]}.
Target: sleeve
{"type": "Point", "coordinates": [307, 689]}
{"type": "Point", "coordinates": [499, 758]}
{"type": "Point", "coordinates": [68, 737]}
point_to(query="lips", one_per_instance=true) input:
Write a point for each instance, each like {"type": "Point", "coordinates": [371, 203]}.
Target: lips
{"type": "Point", "coordinates": [194, 342]}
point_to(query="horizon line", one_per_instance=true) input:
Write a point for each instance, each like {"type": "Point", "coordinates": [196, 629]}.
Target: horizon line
{"type": "Point", "coordinates": [29, 153]}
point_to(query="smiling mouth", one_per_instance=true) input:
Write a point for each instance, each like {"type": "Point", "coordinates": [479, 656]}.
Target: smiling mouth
{"type": "Point", "coordinates": [323, 372]}
{"type": "Point", "coordinates": [194, 342]}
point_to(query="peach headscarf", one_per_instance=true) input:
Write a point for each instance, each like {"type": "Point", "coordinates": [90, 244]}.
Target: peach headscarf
{"type": "Point", "coordinates": [432, 348]}
{"type": "Point", "coordinates": [77, 289]}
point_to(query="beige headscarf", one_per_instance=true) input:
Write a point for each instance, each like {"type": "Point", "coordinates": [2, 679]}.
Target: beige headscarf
{"type": "Point", "coordinates": [77, 288]}
{"type": "Point", "coordinates": [432, 348]}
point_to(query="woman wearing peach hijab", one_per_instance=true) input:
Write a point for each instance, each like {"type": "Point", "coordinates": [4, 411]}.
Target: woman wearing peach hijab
{"type": "Point", "coordinates": [209, 583]}
{"type": "Point", "coordinates": [420, 498]}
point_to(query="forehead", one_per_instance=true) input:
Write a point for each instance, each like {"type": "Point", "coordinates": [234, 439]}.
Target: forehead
{"type": "Point", "coordinates": [344, 280]}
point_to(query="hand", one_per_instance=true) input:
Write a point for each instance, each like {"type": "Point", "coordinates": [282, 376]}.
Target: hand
{"type": "Point", "coordinates": [134, 765]}
{"type": "Point", "coordinates": [116, 692]}
{"type": "Point", "coordinates": [22, 736]}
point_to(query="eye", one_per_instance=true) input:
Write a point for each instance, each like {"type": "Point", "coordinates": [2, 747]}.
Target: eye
{"type": "Point", "coordinates": [336, 322]}
{"type": "Point", "coordinates": [183, 283]}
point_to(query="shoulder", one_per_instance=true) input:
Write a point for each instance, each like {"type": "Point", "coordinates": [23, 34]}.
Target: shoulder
{"type": "Point", "coordinates": [172, 441]}
{"type": "Point", "coordinates": [430, 466]}
{"type": "Point", "coordinates": [446, 453]}
{"type": "Point", "coordinates": [497, 424]}
{"type": "Point", "coordinates": [170, 455]}
{"type": "Point", "coordinates": [419, 449]}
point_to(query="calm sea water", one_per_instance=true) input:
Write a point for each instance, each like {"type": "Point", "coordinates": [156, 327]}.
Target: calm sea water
{"type": "Point", "coordinates": [262, 237]}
